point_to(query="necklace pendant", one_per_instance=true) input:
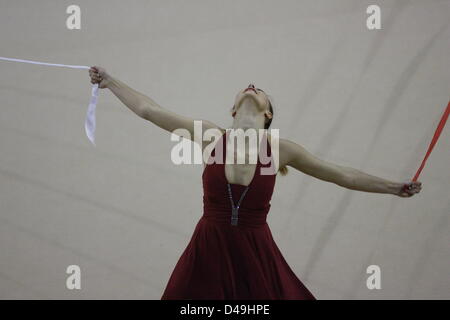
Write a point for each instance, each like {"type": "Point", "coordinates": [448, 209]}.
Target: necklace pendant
{"type": "Point", "coordinates": [234, 216]}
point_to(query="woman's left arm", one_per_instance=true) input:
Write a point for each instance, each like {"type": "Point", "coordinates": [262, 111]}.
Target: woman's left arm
{"type": "Point", "coordinates": [296, 156]}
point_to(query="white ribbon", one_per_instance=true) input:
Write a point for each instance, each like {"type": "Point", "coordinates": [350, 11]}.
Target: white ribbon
{"type": "Point", "coordinates": [89, 124]}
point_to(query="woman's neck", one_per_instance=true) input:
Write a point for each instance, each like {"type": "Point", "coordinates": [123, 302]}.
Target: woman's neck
{"type": "Point", "coordinates": [248, 117]}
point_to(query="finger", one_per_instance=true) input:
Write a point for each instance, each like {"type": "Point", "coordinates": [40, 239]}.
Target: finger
{"type": "Point", "coordinates": [403, 194]}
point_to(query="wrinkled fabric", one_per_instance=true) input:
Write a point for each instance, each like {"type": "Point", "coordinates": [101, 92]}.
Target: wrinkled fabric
{"type": "Point", "coordinates": [223, 261]}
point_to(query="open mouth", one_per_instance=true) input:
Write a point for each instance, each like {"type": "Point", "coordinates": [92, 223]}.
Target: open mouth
{"type": "Point", "coordinates": [251, 89]}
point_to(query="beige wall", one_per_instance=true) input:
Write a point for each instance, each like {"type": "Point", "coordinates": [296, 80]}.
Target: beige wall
{"type": "Point", "coordinates": [124, 213]}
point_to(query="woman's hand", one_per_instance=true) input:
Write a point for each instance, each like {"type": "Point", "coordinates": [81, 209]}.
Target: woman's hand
{"type": "Point", "coordinates": [409, 189]}
{"type": "Point", "coordinates": [100, 76]}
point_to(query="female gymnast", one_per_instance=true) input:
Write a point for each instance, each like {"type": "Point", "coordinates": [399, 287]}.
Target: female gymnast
{"type": "Point", "coordinates": [232, 254]}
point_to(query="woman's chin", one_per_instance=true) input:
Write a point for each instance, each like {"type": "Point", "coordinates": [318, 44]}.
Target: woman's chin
{"type": "Point", "coordinates": [254, 98]}
{"type": "Point", "coordinates": [249, 95]}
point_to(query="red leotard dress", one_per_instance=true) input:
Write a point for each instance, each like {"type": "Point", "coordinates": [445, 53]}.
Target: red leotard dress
{"type": "Point", "coordinates": [236, 262]}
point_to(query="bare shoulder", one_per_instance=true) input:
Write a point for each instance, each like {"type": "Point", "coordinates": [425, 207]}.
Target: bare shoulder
{"type": "Point", "coordinates": [286, 149]}
{"type": "Point", "coordinates": [214, 130]}
{"type": "Point", "coordinates": [285, 145]}
{"type": "Point", "coordinates": [212, 140]}
{"type": "Point", "coordinates": [211, 125]}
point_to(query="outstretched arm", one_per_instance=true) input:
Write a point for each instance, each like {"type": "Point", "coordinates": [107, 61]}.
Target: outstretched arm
{"type": "Point", "coordinates": [296, 156]}
{"type": "Point", "coordinates": [144, 106]}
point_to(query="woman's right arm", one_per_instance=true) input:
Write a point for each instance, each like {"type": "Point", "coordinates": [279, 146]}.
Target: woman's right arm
{"type": "Point", "coordinates": [144, 106]}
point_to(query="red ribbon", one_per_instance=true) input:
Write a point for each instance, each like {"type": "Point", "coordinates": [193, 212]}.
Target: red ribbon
{"type": "Point", "coordinates": [439, 128]}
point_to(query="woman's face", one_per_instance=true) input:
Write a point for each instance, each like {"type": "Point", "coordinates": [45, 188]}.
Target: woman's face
{"type": "Point", "coordinates": [259, 96]}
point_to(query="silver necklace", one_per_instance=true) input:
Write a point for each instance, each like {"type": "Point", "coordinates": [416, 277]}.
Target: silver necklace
{"type": "Point", "coordinates": [235, 209]}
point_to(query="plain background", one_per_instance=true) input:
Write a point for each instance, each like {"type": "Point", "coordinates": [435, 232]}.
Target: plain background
{"type": "Point", "coordinates": [123, 212]}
